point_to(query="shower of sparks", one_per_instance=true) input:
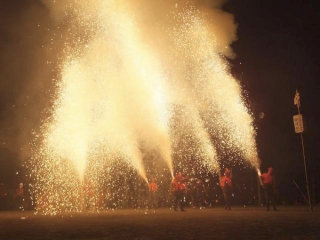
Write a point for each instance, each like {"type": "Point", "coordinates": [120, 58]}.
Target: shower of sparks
{"type": "Point", "coordinates": [132, 95]}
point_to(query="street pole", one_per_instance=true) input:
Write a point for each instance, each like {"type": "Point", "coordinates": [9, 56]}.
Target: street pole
{"type": "Point", "coordinates": [305, 166]}
{"type": "Point", "coordinates": [297, 103]}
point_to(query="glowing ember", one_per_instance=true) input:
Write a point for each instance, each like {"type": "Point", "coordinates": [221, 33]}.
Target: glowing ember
{"type": "Point", "coordinates": [137, 80]}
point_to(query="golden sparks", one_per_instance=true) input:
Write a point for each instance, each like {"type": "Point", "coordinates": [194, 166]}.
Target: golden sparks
{"type": "Point", "coordinates": [133, 83]}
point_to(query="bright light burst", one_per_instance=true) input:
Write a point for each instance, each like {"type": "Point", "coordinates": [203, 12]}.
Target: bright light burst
{"type": "Point", "coordinates": [130, 86]}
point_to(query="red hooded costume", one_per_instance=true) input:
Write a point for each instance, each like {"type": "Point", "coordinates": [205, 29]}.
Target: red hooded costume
{"type": "Point", "coordinates": [178, 182]}
{"type": "Point", "coordinates": [226, 179]}
{"type": "Point", "coordinates": [267, 178]}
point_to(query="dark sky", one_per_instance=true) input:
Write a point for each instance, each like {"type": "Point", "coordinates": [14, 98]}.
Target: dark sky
{"type": "Point", "coordinates": [278, 50]}
{"type": "Point", "coordinates": [279, 53]}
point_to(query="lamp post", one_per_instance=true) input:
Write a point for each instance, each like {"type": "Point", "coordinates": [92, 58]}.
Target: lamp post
{"type": "Point", "coordinates": [298, 126]}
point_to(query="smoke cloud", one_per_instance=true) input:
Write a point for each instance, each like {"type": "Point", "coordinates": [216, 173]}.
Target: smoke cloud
{"type": "Point", "coordinates": [134, 77]}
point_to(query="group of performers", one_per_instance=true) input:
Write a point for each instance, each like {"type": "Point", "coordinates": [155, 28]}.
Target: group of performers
{"type": "Point", "coordinates": [178, 187]}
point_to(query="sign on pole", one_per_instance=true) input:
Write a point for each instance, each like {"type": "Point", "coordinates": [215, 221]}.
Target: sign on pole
{"type": "Point", "coordinates": [298, 123]}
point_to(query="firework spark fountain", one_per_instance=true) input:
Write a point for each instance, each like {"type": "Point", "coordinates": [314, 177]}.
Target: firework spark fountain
{"type": "Point", "coordinates": [127, 70]}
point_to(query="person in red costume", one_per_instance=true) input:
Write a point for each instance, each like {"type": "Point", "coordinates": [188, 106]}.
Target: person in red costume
{"type": "Point", "coordinates": [153, 188]}
{"type": "Point", "coordinates": [268, 185]}
{"type": "Point", "coordinates": [226, 186]}
{"type": "Point", "coordinates": [179, 188]}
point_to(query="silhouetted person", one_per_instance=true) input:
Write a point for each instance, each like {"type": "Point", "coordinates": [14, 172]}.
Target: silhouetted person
{"type": "Point", "coordinates": [179, 188]}
{"type": "Point", "coordinates": [20, 197]}
{"type": "Point", "coordinates": [199, 191]}
{"type": "Point", "coordinates": [226, 186]}
{"type": "Point", "coordinates": [268, 185]}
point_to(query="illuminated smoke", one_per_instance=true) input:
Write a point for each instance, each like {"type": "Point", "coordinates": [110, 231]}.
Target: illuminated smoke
{"type": "Point", "coordinates": [128, 68]}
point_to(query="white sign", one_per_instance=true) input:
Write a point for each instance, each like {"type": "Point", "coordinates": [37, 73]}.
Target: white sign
{"type": "Point", "coordinates": [298, 123]}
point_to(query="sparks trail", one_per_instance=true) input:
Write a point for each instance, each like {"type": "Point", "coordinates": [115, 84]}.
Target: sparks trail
{"type": "Point", "coordinates": [129, 81]}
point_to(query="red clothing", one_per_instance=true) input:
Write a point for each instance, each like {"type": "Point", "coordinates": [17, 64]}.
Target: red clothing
{"type": "Point", "coordinates": [225, 181]}
{"type": "Point", "coordinates": [19, 192]}
{"type": "Point", "coordinates": [267, 178]}
{"type": "Point", "coordinates": [153, 187]}
{"type": "Point", "coordinates": [178, 183]}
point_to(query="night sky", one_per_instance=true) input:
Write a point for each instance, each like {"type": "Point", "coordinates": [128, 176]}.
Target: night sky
{"type": "Point", "coordinates": [277, 52]}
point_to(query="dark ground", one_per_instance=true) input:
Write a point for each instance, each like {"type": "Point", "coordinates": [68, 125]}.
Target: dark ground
{"type": "Point", "coordinates": [239, 223]}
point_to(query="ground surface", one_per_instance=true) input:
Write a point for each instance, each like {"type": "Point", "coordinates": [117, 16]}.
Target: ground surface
{"type": "Point", "coordinates": [239, 223]}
